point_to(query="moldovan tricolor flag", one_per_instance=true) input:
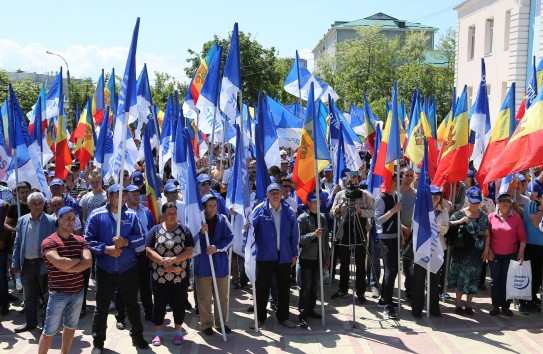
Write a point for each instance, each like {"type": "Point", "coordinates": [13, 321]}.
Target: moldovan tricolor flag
{"type": "Point", "coordinates": [503, 128]}
{"type": "Point", "coordinates": [524, 149]}
{"type": "Point", "coordinates": [453, 161]}
{"type": "Point", "coordinates": [312, 147]}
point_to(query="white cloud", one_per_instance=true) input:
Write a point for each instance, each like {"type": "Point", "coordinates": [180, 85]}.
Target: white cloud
{"type": "Point", "coordinates": [83, 60]}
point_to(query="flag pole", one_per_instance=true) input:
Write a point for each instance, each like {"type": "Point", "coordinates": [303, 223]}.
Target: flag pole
{"type": "Point", "coordinates": [229, 275]}
{"type": "Point", "coordinates": [449, 249]}
{"type": "Point", "coordinates": [17, 181]}
{"type": "Point", "coordinates": [121, 172]}
{"type": "Point", "coordinates": [399, 236]}
{"type": "Point", "coordinates": [428, 291]}
{"type": "Point", "coordinates": [217, 298]}
{"type": "Point", "coordinates": [212, 154]}
{"type": "Point", "coordinates": [317, 192]}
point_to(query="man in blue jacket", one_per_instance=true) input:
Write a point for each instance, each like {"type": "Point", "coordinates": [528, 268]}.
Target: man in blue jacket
{"type": "Point", "coordinates": [116, 265]}
{"type": "Point", "coordinates": [220, 239]}
{"type": "Point", "coordinates": [277, 238]}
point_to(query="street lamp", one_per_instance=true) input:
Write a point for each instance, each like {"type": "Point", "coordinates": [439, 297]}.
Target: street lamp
{"type": "Point", "coordinates": [68, 88]}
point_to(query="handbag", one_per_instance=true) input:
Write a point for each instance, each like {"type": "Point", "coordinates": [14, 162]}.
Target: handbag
{"type": "Point", "coordinates": [458, 237]}
{"type": "Point", "coordinates": [519, 281]}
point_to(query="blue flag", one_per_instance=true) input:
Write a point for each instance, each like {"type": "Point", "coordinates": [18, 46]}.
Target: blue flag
{"type": "Point", "coordinates": [374, 180]}
{"type": "Point", "coordinates": [231, 80]}
{"type": "Point", "coordinates": [427, 248]}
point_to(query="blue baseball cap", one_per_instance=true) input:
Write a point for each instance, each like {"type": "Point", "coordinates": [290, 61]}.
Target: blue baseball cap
{"type": "Point", "coordinates": [471, 173]}
{"type": "Point", "coordinates": [207, 197]}
{"type": "Point", "coordinates": [170, 187]}
{"type": "Point", "coordinates": [114, 189]}
{"type": "Point", "coordinates": [64, 210]}
{"type": "Point", "coordinates": [328, 168]}
{"type": "Point", "coordinates": [474, 195]}
{"type": "Point", "coordinates": [137, 178]}
{"type": "Point", "coordinates": [435, 189]}
{"type": "Point", "coordinates": [132, 188]}
{"type": "Point", "coordinates": [203, 178]}
{"type": "Point", "coordinates": [273, 187]}
{"type": "Point", "coordinates": [312, 197]}
{"type": "Point", "coordinates": [56, 182]}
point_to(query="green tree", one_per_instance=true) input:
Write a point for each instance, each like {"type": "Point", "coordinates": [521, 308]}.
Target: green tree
{"type": "Point", "coordinates": [261, 70]}
{"type": "Point", "coordinates": [164, 85]}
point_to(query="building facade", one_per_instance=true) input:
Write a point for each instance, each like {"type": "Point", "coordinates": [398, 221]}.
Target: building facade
{"type": "Point", "coordinates": [506, 33]}
{"type": "Point", "coordinates": [346, 30]}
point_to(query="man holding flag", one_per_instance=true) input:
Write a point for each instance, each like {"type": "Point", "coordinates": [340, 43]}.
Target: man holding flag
{"type": "Point", "coordinates": [276, 235]}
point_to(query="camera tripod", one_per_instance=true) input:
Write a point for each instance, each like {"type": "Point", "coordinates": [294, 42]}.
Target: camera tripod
{"type": "Point", "coordinates": [357, 238]}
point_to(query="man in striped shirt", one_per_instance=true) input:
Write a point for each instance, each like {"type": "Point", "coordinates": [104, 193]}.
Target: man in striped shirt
{"type": "Point", "coordinates": [66, 256]}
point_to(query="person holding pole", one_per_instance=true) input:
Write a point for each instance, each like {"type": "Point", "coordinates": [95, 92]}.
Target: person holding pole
{"type": "Point", "coordinates": [220, 239]}
{"type": "Point", "coordinates": [386, 221]}
{"type": "Point", "coordinates": [277, 237]}
{"type": "Point", "coordinates": [309, 270]}
{"type": "Point", "coordinates": [169, 246]}
{"type": "Point", "coordinates": [116, 264]}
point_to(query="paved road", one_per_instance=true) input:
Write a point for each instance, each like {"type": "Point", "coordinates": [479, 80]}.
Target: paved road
{"type": "Point", "coordinates": [373, 333]}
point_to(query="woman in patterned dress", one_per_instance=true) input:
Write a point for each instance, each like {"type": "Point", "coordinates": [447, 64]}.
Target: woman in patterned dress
{"type": "Point", "coordinates": [169, 246]}
{"type": "Point", "coordinates": [466, 263]}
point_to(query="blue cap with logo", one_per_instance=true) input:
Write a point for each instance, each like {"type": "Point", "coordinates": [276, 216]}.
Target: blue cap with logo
{"type": "Point", "coordinates": [113, 189]}
{"type": "Point", "coordinates": [273, 187]}
{"type": "Point", "coordinates": [207, 197]}
{"type": "Point", "coordinates": [132, 188]}
{"type": "Point", "coordinates": [56, 182]}
{"type": "Point", "coordinates": [203, 178]}
{"type": "Point", "coordinates": [474, 195]}
{"type": "Point", "coordinates": [137, 178]}
{"type": "Point", "coordinates": [170, 187]}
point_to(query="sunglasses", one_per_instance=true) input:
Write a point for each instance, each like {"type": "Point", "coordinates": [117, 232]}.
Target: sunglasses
{"type": "Point", "coordinates": [205, 184]}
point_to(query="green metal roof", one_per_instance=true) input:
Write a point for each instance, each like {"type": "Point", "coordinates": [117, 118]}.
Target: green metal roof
{"type": "Point", "coordinates": [385, 22]}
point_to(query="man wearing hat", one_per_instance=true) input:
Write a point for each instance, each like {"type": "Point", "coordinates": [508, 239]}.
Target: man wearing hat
{"type": "Point", "coordinates": [58, 189]}
{"type": "Point", "coordinates": [139, 181]}
{"type": "Point", "coordinates": [277, 238]}
{"type": "Point", "coordinates": [308, 262]}
{"type": "Point", "coordinates": [349, 234]}
{"type": "Point", "coordinates": [116, 264]}
{"type": "Point", "coordinates": [147, 221]}
{"type": "Point", "coordinates": [204, 182]}
{"type": "Point", "coordinates": [27, 259]}
{"type": "Point", "coordinates": [66, 256]}
{"type": "Point", "coordinates": [220, 239]}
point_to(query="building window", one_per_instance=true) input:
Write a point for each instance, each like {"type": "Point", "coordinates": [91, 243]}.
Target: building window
{"type": "Point", "coordinates": [471, 42]}
{"type": "Point", "coordinates": [504, 90]}
{"type": "Point", "coordinates": [489, 36]}
{"type": "Point", "coordinates": [469, 93]}
{"type": "Point", "coordinates": [507, 30]}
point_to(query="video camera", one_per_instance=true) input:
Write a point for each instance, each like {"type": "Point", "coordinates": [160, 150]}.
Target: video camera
{"type": "Point", "coordinates": [352, 193]}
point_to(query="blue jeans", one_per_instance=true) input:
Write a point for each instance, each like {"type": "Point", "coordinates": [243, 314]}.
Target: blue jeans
{"type": "Point", "coordinates": [498, 279]}
{"type": "Point", "coordinates": [374, 275]}
{"type": "Point", "coordinates": [64, 308]}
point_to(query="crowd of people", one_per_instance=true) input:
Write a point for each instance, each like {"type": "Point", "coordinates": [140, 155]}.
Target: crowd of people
{"type": "Point", "coordinates": [56, 247]}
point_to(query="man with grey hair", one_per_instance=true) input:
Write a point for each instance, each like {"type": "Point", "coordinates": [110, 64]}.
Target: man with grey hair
{"type": "Point", "coordinates": [27, 259]}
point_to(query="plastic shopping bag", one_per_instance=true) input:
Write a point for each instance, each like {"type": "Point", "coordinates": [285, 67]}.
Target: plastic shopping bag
{"type": "Point", "coordinates": [519, 281]}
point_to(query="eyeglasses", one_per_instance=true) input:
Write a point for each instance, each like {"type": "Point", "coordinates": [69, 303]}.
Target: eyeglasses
{"type": "Point", "coordinates": [204, 184]}
{"type": "Point", "coordinates": [504, 201]}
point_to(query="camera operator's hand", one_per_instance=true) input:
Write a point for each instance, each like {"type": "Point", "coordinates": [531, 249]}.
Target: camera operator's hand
{"type": "Point", "coordinates": [396, 208]}
{"type": "Point", "coordinates": [340, 209]}
{"type": "Point", "coordinates": [357, 209]}
{"type": "Point", "coordinates": [318, 232]}
{"type": "Point", "coordinates": [336, 189]}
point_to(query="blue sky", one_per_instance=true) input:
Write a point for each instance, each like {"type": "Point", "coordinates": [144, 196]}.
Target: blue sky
{"type": "Point", "coordinates": [96, 34]}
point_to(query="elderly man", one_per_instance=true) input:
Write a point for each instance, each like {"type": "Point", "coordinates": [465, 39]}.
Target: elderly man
{"type": "Point", "coordinates": [277, 239]}
{"type": "Point", "coordinates": [58, 189]}
{"type": "Point", "coordinates": [32, 229]}
{"type": "Point", "coordinates": [116, 265]}
{"type": "Point", "coordinates": [66, 257]}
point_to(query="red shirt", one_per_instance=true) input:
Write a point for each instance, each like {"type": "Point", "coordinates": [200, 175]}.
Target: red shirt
{"type": "Point", "coordinates": [505, 235]}
{"type": "Point", "coordinates": [71, 247]}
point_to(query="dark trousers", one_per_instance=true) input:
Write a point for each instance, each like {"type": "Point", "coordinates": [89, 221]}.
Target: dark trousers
{"type": "Point", "coordinates": [373, 274]}
{"type": "Point", "coordinates": [308, 282]}
{"type": "Point", "coordinates": [389, 252]}
{"type": "Point", "coordinates": [35, 286]}
{"type": "Point", "coordinates": [417, 295]}
{"type": "Point", "coordinates": [534, 254]}
{"type": "Point", "coordinates": [344, 255]}
{"type": "Point", "coordinates": [128, 283]}
{"type": "Point", "coordinates": [4, 288]}
{"type": "Point", "coordinates": [441, 273]}
{"type": "Point", "coordinates": [145, 290]}
{"type": "Point", "coordinates": [498, 279]}
{"type": "Point", "coordinates": [86, 278]}
{"type": "Point", "coordinates": [407, 266]}
{"type": "Point", "coordinates": [243, 280]}
{"type": "Point", "coordinates": [264, 272]}
{"type": "Point", "coordinates": [171, 294]}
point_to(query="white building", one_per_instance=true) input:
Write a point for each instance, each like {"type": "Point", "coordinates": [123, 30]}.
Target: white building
{"type": "Point", "coordinates": [506, 33]}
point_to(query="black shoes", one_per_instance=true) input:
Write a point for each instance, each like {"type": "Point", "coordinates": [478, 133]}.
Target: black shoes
{"type": "Point", "coordinates": [251, 309]}
{"type": "Point", "coordinates": [208, 331]}
{"type": "Point", "coordinates": [120, 326]}
{"type": "Point", "coordinates": [390, 312]}
{"type": "Point", "coordinates": [361, 300]}
{"type": "Point", "coordinates": [302, 321]}
{"type": "Point", "coordinates": [469, 311]}
{"type": "Point", "coordinates": [12, 298]}
{"type": "Point", "coordinates": [97, 350]}
{"type": "Point", "coordinates": [507, 312]}
{"type": "Point", "coordinates": [24, 328]}
{"type": "Point", "coordinates": [227, 329]}
{"type": "Point", "coordinates": [140, 343]}
{"type": "Point", "coordinates": [494, 311]}
{"type": "Point", "coordinates": [313, 314]}
{"type": "Point", "coordinates": [340, 294]}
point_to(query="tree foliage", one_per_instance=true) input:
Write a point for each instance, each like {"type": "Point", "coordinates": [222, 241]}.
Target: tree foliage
{"type": "Point", "coordinates": [164, 85]}
{"type": "Point", "coordinates": [261, 69]}
{"type": "Point", "coordinates": [371, 64]}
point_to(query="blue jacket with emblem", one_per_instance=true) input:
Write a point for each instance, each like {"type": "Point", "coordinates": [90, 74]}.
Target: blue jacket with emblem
{"type": "Point", "coordinates": [222, 239]}
{"type": "Point", "coordinates": [100, 230]}
{"type": "Point", "coordinates": [266, 235]}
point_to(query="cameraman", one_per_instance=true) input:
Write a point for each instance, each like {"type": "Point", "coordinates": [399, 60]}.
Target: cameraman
{"type": "Point", "coordinates": [353, 206]}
